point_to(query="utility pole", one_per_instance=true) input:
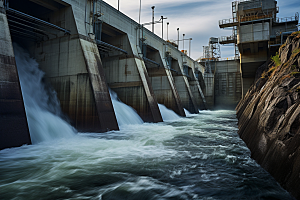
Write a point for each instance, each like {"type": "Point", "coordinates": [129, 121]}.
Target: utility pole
{"type": "Point", "coordinates": [168, 30]}
{"type": "Point", "coordinates": [140, 11]}
{"type": "Point", "coordinates": [183, 43]}
{"type": "Point", "coordinates": [162, 28]}
{"type": "Point", "coordinates": [190, 46]}
{"type": "Point", "coordinates": [178, 38]}
{"type": "Point", "coordinates": [153, 18]}
{"type": "Point", "coordinates": [118, 5]}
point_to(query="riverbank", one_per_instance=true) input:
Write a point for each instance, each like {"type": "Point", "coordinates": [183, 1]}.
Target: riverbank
{"type": "Point", "coordinates": [269, 116]}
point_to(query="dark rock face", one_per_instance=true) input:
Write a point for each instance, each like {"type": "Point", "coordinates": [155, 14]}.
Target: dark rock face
{"type": "Point", "coordinates": [269, 117]}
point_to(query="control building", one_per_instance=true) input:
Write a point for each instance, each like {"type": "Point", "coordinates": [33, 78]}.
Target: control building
{"type": "Point", "coordinates": [257, 34]}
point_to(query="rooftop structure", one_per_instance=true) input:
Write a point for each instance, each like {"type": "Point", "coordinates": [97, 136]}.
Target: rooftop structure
{"type": "Point", "coordinates": [257, 34]}
{"type": "Point", "coordinates": [211, 52]}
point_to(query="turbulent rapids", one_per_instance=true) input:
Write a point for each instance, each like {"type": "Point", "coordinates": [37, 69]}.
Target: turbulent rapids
{"type": "Point", "coordinates": [198, 157]}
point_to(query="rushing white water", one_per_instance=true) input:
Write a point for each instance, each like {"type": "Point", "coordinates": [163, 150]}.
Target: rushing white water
{"type": "Point", "coordinates": [125, 114]}
{"type": "Point", "coordinates": [199, 157]}
{"type": "Point", "coordinates": [167, 114]}
{"type": "Point", "coordinates": [187, 113]}
{"type": "Point", "coordinates": [41, 105]}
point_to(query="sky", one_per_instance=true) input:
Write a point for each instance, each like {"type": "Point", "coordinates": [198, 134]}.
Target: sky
{"type": "Point", "coordinates": [197, 19]}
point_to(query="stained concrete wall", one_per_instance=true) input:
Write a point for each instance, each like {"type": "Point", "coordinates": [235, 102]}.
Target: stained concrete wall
{"type": "Point", "coordinates": [254, 32]}
{"type": "Point", "coordinates": [228, 83]}
{"type": "Point", "coordinates": [224, 86]}
{"type": "Point", "coordinates": [14, 129]}
{"type": "Point", "coordinates": [209, 80]}
{"type": "Point", "coordinates": [253, 55]}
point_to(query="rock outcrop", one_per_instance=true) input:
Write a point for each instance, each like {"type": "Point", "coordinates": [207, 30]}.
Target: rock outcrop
{"type": "Point", "coordinates": [269, 116]}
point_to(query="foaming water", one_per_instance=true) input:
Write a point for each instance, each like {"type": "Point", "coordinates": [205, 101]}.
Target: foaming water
{"type": "Point", "coordinates": [167, 114]}
{"type": "Point", "coordinates": [187, 113]}
{"type": "Point", "coordinates": [125, 114]}
{"type": "Point", "coordinates": [43, 112]}
{"type": "Point", "coordinates": [200, 157]}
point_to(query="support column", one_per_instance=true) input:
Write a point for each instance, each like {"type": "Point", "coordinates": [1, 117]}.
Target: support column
{"type": "Point", "coordinates": [102, 98]}
{"type": "Point", "coordinates": [14, 130]}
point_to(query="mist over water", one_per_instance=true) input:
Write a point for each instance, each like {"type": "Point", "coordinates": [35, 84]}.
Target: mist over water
{"type": "Point", "coordinates": [199, 157]}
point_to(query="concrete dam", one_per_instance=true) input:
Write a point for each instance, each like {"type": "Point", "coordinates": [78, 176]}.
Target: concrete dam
{"type": "Point", "coordinates": [93, 105]}
{"type": "Point", "coordinates": [84, 48]}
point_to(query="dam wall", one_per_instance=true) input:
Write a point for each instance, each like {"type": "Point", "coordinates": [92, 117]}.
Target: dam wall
{"type": "Point", "coordinates": [158, 56]}
{"type": "Point", "coordinates": [13, 121]}
{"type": "Point", "coordinates": [228, 84]}
{"type": "Point", "coordinates": [87, 47]}
{"type": "Point", "coordinates": [224, 84]}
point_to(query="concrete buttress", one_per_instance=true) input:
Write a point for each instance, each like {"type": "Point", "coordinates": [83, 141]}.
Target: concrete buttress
{"type": "Point", "coordinates": [162, 79]}
{"type": "Point", "coordinates": [73, 66]}
{"type": "Point", "coordinates": [102, 98]}
{"type": "Point", "coordinates": [185, 92]}
{"type": "Point", "coordinates": [13, 123]}
{"type": "Point", "coordinates": [128, 77]}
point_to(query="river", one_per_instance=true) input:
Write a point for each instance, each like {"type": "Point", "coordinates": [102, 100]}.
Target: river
{"type": "Point", "coordinates": [198, 157]}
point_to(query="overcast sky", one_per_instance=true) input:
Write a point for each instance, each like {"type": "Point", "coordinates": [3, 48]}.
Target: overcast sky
{"type": "Point", "coordinates": [197, 19]}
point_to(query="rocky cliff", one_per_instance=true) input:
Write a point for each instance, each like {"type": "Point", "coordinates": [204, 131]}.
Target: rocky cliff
{"type": "Point", "coordinates": [269, 116]}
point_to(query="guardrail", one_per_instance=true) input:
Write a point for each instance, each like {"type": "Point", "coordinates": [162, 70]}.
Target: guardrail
{"type": "Point", "coordinates": [252, 18]}
{"type": "Point", "coordinates": [228, 21]}
{"type": "Point", "coordinates": [288, 19]}
{"type": "Point", "coordinates": [230, 58]}
{"type": "Point", "coordinates": [223, 39]}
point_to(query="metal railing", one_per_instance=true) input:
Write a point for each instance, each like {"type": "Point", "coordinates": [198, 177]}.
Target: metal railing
{"type": "Point", "coordinates": [228, 21]}
{"type": "Point", "coordinates": [288, 19]}
{"type": "Point", "coordinates": [253, 18]}
{"type": "Point", "coordinates": [151, 61]}
{"type": "Point", "coordinates": [224, 39]}
{"type": "Point", "coordinates": [36, 20]}
{"type": "Point", "coordinates": [108, 47]}
{"type": "Point", "coordinates": [230, 58]}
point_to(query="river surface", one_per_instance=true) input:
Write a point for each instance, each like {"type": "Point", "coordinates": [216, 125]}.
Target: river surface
{"type": "Point", "coordinates": [199, 157]}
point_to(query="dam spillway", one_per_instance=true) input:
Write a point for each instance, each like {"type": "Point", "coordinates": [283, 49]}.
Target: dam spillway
{"type": "Point", "coordinates": [84, 51]}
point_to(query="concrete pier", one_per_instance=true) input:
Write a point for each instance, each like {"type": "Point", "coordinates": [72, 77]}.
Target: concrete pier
{"type": "Point", "coordinates": [72, 65]}
{"type": "Point", "coordinates": [14, 129]}
{"type": "Point", "coordinates": [127, 74]}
